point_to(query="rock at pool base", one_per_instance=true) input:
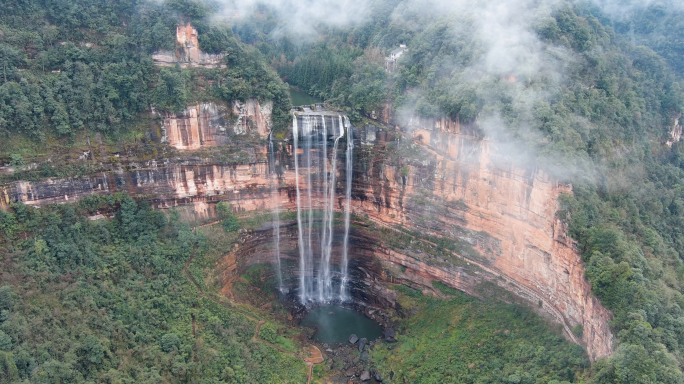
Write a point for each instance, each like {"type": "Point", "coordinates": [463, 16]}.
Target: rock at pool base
{"type": "Point", "coordinates": [365, 376]}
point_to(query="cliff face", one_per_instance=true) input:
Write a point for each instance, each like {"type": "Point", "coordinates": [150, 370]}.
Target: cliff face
{"type": "Point", "coordinates": [252, 117]}
{"type": "Point", "coordinates": [464, 190]}
{"type": "Point", "coordinates": [187, 53]}
{"type": "Point", "coordinates": [439, 184]}
{"type": "Point", "coordinates": [212, 124]}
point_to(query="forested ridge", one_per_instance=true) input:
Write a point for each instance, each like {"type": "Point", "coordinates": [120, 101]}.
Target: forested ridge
{"type": "Point", "coordinates": [70, 67]}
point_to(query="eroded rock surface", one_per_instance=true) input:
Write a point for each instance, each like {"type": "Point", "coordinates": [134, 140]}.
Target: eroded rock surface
{"type": "Point", "coordinates": [187, 53]}
{"type": "Point", "coordinates": [212, 124]}
{"type": "Point", "coordinates": [443, 184]}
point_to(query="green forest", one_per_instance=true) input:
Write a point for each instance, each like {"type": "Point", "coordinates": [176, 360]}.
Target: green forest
{"type": "Point", "coordinates": [108, 301]}
{"type": "Point", "coordinates": [70, 67]}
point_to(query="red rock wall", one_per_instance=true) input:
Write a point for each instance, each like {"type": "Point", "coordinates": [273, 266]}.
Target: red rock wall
{"type": "Point", "coordinates": [211, 124]}
{"type": "Point", "coordinates": [515, 207]}
{"type": "Point", "coordinates": [188, 53]}
{"type": "Point", "coordinates": [461, 188]}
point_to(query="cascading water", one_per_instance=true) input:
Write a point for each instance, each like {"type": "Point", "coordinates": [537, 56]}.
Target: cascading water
{"type": "Point", "coordinates": [276, 209]}
{"type": "Point", "coordinates": [347, 209]}
{"type": "Point", "coordinates": [325, 290]}
{"type": "Point", "coordinates": [314, 130]}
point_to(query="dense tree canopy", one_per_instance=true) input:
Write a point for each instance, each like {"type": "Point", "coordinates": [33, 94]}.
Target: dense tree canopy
{"type": "Point", "coordinates": [74, 65]}
{"type": "Point", "coordinates": [107, 301]}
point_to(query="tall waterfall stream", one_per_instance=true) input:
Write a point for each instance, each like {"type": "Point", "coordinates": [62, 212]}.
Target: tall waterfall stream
{"type": "Point", "coordinates": [316, 171]}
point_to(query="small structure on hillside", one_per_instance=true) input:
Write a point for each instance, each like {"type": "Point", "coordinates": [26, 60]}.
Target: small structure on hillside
{"type": "Point", "coordinates": [187, 53]}
{"type": "Point", "coordinates": [391, 60]}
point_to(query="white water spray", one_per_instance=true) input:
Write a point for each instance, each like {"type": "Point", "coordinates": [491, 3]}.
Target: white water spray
{"type": "Point", "coordinates": [313, 130]}
{"type": "Point", "coordinates": [276, 208]}
{"type": "Point", "coordinates": [347, 211]}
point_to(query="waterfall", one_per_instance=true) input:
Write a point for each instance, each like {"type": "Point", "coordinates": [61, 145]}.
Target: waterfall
{"type": "Point", "coordinates": [325, 290]}
{"type": "Point", "coordinates": [308, 131]}
{"type": "Point", "coordinates": [311, 131]}
{"type": "Point", "coordinates": [347, 208]}
{"type": "Point", "coordinates": [302, 252]}
{"type": "Point", "coordinates": [276, 209]}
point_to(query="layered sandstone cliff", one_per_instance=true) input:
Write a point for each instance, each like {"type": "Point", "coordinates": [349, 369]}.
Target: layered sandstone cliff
{"type": "Point", "coordinates": [436, 183]}
{"type": "Point", "coordinates": [212, 124]}
{"type": "Point", "coordinates": [188, 53]}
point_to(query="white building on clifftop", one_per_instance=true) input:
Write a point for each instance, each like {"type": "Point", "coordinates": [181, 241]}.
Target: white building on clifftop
{"type": "Point", "coordinates": [391, 60]}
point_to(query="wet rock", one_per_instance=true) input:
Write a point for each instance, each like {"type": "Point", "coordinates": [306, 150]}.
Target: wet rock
{"type": "Point", "coordinates": [331, 313]}
{"type": "Point", "coordinates": [389, 336]}
{"type": "Point", "coordinates": [353, 339]}
{"type": "Point", "coordinates": [362, 344]}
{"type": "Point", "coordinates": [365, 376]}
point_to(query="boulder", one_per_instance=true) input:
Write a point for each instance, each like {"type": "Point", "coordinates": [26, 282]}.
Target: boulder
{"type": "Point", "coordinates": [362, 344]}
{"type": "Point", "coordinates": [365, 376]}
{"type": "Point", "coordinates": [389, 336]}
{"type": "Point", "coordinates": [353, 339]}
{"type": "Point", "coordinates": [364, 356]}
{"type": "Point", "coordinates": [378, 376]}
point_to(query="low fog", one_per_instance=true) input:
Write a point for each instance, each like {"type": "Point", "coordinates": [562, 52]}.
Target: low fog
{"type": "Point", "coordinates": [505, 32]}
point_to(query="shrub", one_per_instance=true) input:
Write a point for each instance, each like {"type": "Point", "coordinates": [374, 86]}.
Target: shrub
{"type": "Point", "coordinates": [268, 332]}
{"type": "Point", "coordinates": [231, 224]}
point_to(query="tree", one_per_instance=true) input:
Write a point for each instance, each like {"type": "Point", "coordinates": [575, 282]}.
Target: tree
{"type": "Point", "coordinates": [92, 350]}
{"type": "Point", "coordinates": [8, 224]}
{"type": "Point", "coordinates": [224, 209]}
{"type": "Point", "coordinates": [6, 296]}
{"type": "Point", "coordinates": [170, 342]}
{"type": "Point", "coordinates": [8, 369]}
{"type": "Point", "coordinates": [170, 92]}
{"type": "Point", "coordinates": [231, 224]}
{"type": "Point", "coordinates": [5, 341]}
